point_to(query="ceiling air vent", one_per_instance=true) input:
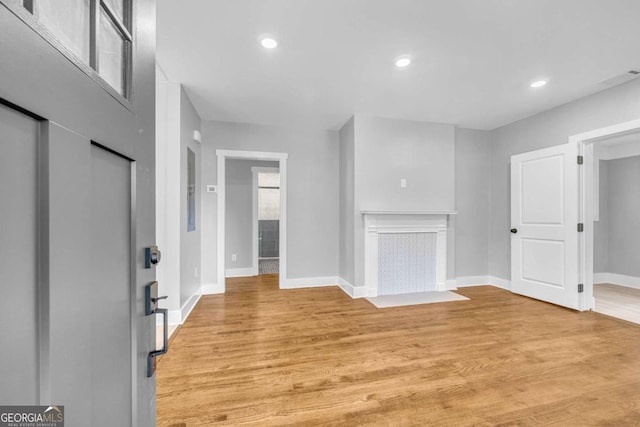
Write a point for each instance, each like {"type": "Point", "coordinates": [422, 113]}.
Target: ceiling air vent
{"type": "Point", "coordinates": [621, 78]}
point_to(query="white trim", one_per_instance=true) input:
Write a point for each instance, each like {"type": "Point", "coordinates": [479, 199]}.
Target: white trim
{"type": "Point", "coordinates": [451, 284]}
{"type": "Point", "coordinates": [310, 282]}
{"type": "Point", "coordinates": [212, 289]}
{"type": "Point", "coordinates": [254, 210]}
{"type": "Point", "coordinates": [605, 132]}
{"type": "Point", "coordinates": [409, 212]}
{"type": "Point", "coordinates": [353, 291]}
{"type": "Point", "coordinates": [587, 203]}
{"type": "Point", "coordinates": [466, 281]}
{"type": "Point", "coordinates": [241, 272]}
{"type": "Point", "coordinates": [617, 279]}
{"type": "Point", "coordinates": [500, 283]}
{"type": "Point", "coordinates": [188, 306]}
{"type": "Point", "coordinates": [223, 155]}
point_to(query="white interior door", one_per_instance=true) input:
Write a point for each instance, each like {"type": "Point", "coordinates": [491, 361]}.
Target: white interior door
{"type": "Point", "coordinates": [544, 218]}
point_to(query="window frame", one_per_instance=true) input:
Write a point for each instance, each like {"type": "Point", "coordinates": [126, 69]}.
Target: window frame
{"type": "Point", "coordinates": [24, 10]}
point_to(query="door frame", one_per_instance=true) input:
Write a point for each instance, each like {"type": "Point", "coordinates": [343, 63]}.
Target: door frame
{"type": "Point", "coordinates": [223, 155]}
{"type": "Point", "coordinates": [254, 209]}
{"type": "Point", "coordinates": [586, 199]}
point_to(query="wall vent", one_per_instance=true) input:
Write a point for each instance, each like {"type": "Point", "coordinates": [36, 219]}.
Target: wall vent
{"type": "Point", "coordinates": [621, 78]}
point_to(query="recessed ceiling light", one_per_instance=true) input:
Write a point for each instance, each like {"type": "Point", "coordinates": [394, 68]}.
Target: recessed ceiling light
{"type": "Point", "coordinates": [403, 61]}
{"type": "Point", "coordinates": [268, 42]}
{"type": "Point", "coordinates": [538, 83]}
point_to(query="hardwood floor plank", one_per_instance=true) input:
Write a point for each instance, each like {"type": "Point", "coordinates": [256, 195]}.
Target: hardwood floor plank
{"type": "Point", "coordinates": [263, 356]}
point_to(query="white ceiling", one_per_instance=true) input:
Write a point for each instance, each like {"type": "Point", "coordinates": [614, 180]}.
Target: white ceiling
{"type": "Point", "coordinates": [473, 59]}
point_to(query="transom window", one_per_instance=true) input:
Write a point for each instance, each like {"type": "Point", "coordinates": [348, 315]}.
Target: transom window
{"type": "Point", "coordinates": [97, 32]}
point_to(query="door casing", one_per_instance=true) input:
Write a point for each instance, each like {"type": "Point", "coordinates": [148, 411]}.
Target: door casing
{"type": "Point", "coordinates": [223, 155]}
{"type": "Point", "coordinates": [587, 202]}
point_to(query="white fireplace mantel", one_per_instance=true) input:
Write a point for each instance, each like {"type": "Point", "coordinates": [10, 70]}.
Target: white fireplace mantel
{"type": "Point", "coordinates": [377, 222]}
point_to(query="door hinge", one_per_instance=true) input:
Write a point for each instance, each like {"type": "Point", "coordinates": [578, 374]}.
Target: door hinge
{"type": "Point", "coordinates": [580, 227]}
{"type": "Point", "coordinates": [580, 160]}
{"type": "Point", "coordinates": [580, 288]}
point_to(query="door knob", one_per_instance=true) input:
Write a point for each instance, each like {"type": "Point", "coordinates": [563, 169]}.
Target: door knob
{"type": "Point", "coordinates": [514, 230]}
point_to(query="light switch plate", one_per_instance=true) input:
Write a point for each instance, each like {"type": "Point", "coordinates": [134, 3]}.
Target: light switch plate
{"type": "Point", "coordinates": [403, 183]}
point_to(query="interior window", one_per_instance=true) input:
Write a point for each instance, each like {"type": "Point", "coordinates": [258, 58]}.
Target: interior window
{"type": "Point", "coordinates": [69, 21]}
{"type": "Point", "coordinates": [96, 32]}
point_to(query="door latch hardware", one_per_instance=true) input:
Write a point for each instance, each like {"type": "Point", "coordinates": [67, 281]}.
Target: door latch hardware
{"type": "Point", "coordinates": [580, 288]}
{"type": "Point", "coordinates": [152, 256]}
{"type": "Point", "coordinates": [151, 299]}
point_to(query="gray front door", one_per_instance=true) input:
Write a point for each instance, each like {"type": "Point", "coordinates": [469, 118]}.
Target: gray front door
{"type": "Point", "coordinates": [66, 273]}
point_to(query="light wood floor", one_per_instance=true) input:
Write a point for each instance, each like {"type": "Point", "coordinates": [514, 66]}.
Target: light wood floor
{"type": "Point", "coordinates": [263, 356]}
{"type": "Point", "coordinates": [617, 301]}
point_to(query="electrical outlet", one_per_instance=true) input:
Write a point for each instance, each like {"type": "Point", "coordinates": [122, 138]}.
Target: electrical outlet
{"type": "Point", "coordinates": [234, 257]}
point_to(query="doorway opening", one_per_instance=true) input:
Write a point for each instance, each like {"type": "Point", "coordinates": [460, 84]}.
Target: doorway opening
{"type": "Point", "coordinates": [238, 245]}
{"type": "Point", "coordinates": [266, 219]}
{"type": "Point", "coordinates": [616, 270]}
{"type": "Point", "coordinates": [609, 186]}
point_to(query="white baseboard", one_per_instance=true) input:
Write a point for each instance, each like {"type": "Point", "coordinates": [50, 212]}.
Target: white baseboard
{"type": "Point", "coordinates": [465, 281]}
{"type": "Point", "coordinates": [241, 272]}
{"type": "Point", "coordinates": [310, 282]}
{"type": "Point", "coordinates": [187, 307]}
{"type": "Point", "coordinates": [500, 283]}
{"type": "Point", "coordinates": [617, 279]}
{"type": "Point", "coordinates": [212, 289]}
{"type": "Point", "coordinates": [352, 291]}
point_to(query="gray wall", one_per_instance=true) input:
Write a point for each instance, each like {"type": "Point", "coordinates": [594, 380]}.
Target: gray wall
{"type": "Point", "coordinates": [190, 242]}
{"type": "Point", "coordinates": [473, 202]}
{"type": "Point", "coordinates": [387, 150]}
{"type": "Point", "coordinates": [616, 243]}
{"type": "Point", "coordinates": [553, 127]}
{"type": "Point", "coordinates": [624, 217]}
{"type": "Point", "coordinates": [72, 99]}
{"type": "Point", "coordinates": [239, 211]}
{"type": "Point", "coordinates": [312, 199]}
{"type": "Point", "coordinates": [601, 227]}
{"type": "Point", "coordinates": [347, 197]}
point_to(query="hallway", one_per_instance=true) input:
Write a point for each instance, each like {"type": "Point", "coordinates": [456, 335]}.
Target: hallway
{"type": "Point", "coordinates": [264, 356]}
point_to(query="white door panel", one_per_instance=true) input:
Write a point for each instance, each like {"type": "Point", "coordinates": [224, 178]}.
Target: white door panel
{"type": "Point", "coordinates": [543, 203]}
{"type": "Point", "coordinates": [544, 217]}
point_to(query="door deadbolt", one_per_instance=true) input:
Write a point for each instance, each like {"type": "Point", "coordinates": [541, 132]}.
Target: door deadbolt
{"type": "Point", "coordinates": [514, 230]}
{"type": "Point", "coordinates": [151, 256]}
